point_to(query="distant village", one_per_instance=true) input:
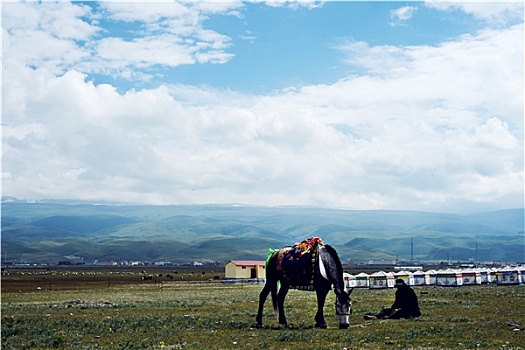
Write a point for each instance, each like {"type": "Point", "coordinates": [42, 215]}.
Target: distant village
{"type": "Point", "coordinates": [387, 264]}
{"type": "Point", "coordinates": [79, 261]}
{"type": "Point", "coordinates": [373, 274]}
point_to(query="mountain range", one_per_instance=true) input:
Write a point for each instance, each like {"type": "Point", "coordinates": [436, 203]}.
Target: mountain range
{"type": "Point", "coordinates": [49, 231]}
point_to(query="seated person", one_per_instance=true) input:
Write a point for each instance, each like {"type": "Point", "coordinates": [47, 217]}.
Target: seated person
{"type": "Point", "coordinates": [405, 304]}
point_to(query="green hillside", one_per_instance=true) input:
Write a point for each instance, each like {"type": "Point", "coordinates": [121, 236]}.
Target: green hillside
{"type": "Point", "coordinates": [47, 232]}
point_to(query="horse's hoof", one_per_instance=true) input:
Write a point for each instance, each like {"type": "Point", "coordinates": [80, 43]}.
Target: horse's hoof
{"type": "Point", "coordinates": [321, 325]}
{"type": "Point", "coordinates": [344, 326]}
{"type": "Point", "coordinates": [258, 326]}
{"type": "Point", "coordinates": [285, 325]}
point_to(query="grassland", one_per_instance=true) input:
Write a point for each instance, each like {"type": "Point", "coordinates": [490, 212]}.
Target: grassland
{"type": "Point", "coordinates": [124, 312]}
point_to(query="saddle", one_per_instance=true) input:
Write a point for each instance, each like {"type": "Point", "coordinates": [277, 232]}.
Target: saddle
{"type": "Point", "coordinates": [297, 263]}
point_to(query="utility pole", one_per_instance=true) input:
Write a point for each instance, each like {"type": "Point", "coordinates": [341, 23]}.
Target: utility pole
{"type": "Point", "coordinates": [412, 250]}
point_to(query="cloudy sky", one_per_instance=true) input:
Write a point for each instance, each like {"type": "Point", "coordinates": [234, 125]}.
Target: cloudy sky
{"type": "Point", "coordinates": [356, 105]}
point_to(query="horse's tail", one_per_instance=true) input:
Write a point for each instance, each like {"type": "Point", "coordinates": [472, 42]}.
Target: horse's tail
{"type": "Point", "coordinates": [274, 296]}
{"type": "Point", "coordinates": [270, 254]}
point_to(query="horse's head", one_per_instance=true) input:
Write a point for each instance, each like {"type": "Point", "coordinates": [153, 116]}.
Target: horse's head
{"type": "Point", "coordinates": [343, 308]}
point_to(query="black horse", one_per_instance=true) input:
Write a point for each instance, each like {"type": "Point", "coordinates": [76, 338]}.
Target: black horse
{"type": "Point", "coordinates": [328, 271]}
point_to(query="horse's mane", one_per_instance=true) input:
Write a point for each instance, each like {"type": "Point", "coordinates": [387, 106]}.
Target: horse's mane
{"type": "Point", "coordinates": [337, 261]}
{"type": "Point", "coordinates": [339, 282]}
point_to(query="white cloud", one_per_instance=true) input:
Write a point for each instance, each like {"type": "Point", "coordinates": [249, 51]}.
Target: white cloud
{"type": "Point", "coordinates": [495, 133]}
{"type": "Point", "coordinates": [422, 127]}
{"type": "Point", "coordinates": [62, 20]}
{"type": "Point", "coordinates": [402, 14]}
{"type": "Point", "coordinates": [38, 39]}
{"type": "Point", "coordinates": [455, 74]}
{"type": "Point", "coordinates": [293, 4]}
{"type": "Point", "coordinates": [167, 51]}
{"type": "Point", "coordinates": [130, 11]}
{"type": "Point", "coordinates": [23, 131]}
{"type": "Point", "coordinates": [492, 12]}
{"type": "Point", "coordinates": [167, 34]}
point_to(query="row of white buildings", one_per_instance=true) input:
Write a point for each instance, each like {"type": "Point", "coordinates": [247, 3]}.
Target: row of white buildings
{"type": "Point", "coordinates": [509, 275]}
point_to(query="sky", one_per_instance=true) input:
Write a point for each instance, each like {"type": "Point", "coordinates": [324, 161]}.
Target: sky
{"type": "Point", "coordinates": [350, 105]}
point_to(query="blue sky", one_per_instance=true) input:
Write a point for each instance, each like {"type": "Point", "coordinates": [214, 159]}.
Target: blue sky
{"type": "Point", "coordinates": [357, 105]}
{"type": "Point", "coordinates": [273, 48]}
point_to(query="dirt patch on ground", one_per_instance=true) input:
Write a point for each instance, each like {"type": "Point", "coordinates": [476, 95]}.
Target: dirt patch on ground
{"type": "Point", "coordinates": [30, 280]}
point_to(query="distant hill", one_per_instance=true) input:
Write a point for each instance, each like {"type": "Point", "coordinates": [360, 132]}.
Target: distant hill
{"type": "Point", "coordinates": [48, 231]}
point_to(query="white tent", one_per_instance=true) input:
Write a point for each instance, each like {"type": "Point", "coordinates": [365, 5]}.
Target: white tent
{"type": "Point", "coordinates": [361, 280]}
{"type": "Point", "coordinates": [381, 280]}
{"type": "Point", "coordinates": [405, 276]}
{"type": "Point", "coordinates": [391, 278]}
{"type": "Point", "coordinates": [470, 277]}
{"type": "Point", "coordinates": [449, 278]}
{"type": "Point", "coordinates": [492, 276]}
{"type": "Point", "coordinates": [508, 275]}
{"type": "Point", "coordinates": [431, 277]}
{"type": "Point", "coordinates": [350, 281]}
{"type": "Point", "coordinates": [420, 278]}
{"type": "Point", "coordinates": [521, 269]}
{"type": "Point", "coordinates": [484, 275]}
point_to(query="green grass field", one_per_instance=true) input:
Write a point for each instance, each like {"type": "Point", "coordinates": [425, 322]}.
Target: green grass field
{"type": "Point", "coordinates": [209, 315]}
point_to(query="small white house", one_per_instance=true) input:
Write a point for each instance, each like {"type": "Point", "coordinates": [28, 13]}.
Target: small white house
{"type": "Point", "coordinates": [245, 269]}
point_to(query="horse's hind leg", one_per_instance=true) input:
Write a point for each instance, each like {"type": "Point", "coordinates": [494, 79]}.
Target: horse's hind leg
{"type": "Point", "coordinates": [262, 298]}
{"type": "Point", "coordinates": [280, 303]}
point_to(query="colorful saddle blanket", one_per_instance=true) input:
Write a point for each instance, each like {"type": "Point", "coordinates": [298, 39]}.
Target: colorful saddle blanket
{"type": "Point", "coordinates": [298, 266]}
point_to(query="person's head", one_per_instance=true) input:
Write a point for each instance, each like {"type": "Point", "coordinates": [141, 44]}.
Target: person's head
{"type": "Point", "coordinates": [399, 283]}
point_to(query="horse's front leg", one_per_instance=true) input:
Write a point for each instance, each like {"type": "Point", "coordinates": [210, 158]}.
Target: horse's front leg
{"type": "Point", "coordinates": [319, 316]}
{"type": "Point", "coordinates": [280, 303]}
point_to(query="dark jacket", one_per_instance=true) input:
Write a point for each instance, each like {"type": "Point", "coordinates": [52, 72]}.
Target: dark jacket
{"type": "Point", "coordinates": [406, 300]}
